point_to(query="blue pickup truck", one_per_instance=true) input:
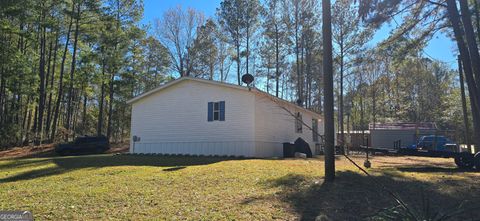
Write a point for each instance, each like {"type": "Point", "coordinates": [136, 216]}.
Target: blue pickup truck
{"type": "Point", "coordinates": [436, 143]}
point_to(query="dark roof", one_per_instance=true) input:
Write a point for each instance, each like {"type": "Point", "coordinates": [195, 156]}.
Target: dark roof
{"type": "Point", "coordinates": [403, 126]}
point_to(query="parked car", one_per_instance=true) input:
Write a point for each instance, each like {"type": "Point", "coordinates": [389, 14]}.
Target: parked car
{"type": "Point", "coordinates": [84, 145]}
{"type": "Point", "coordinates": [437, 143]}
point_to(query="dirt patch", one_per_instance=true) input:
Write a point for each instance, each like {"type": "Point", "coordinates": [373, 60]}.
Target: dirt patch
{"type": "Point", "coordinates": [28, 151]}
{"type": "Point", "coordinates": [47, 150]}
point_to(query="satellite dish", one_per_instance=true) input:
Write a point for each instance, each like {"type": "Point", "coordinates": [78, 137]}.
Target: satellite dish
{"type": "Point", "coordinates": [247, 79]}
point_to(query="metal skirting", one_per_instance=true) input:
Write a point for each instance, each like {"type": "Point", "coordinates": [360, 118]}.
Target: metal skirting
{"type": "Point", "coordinates": [220, 148]}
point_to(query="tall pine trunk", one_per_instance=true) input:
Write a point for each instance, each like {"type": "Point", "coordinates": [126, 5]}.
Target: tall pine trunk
{"type": "Point", "coordinates": [112, 77]}
{"type": "Point", "coordinates": [468, 64]}
{"type": "Point", "coordinates": [237, 44]}
{"type": "Point", "coordinates": [475, 59]}
{"type": "Point", "coordinates": [277, 61]}
{"type": "Point", "coordinates": [297, 55]}
{"type": "Point", "coordinates": [110, 105]}
{"type": "Point", "coordinates": [50, 96]}
{"type": "Point", "coordinates": [84, 114]}
{"type": "Point", "coordinates": [60, 80]}
{"type": "Point", "coordinates": [464, 104]}
{"type": "Point", "coordinates": [41, 92]}
{"type": "Point", "coordinates": [72, 72]}
{"type": "Point", "coordinates": [247, 43]}
{"type": "Point", "coordinates": [340, 98]}
{"type": "Point", "coordinates": [100, 102]}
{"type": "Point", "coordinates": [471, 41]}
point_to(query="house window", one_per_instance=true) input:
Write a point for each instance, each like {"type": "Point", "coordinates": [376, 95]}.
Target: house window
{"type": "Point", "coordinates": [298, 123]}
{"type": "Point", "coordinates": [315, 130]}
{"type": "Point", "coordinates": [216, 111]}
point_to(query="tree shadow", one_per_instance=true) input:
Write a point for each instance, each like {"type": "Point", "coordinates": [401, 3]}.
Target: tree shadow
{"type": "Point", "coordinates": [174, 168]}
{"type": "Point", "coordinates": [356, 197]}
{"type": "Point", "coordinates": [17, 163]}
{"type": "Point", "coordinates": [430, 169]}
{"type": "Point", "coordinates": [67, 164]}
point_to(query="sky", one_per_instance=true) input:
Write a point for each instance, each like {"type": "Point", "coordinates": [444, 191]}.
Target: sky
{"type": "Point", "coordinates": [439, 47]}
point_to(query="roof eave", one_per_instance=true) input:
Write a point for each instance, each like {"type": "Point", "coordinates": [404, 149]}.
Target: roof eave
{"type": "Point", "coordinates": [260, 92]}
{"type": "Point", "coordinates": [150, 92]}
{"type": "Point", "coordinates": [287, 103]}
{"type": "Point", "coordinates": [176, 81]}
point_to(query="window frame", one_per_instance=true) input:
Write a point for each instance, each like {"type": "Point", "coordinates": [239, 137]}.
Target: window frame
{"type": "Point", "coordinates": [216, 110]}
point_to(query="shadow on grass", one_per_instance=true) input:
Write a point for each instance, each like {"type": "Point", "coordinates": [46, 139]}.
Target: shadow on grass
{"type": "Point", "coordinates": [67, 164]}
{"type": "Point", "coordinates": [174, 168]}
{"type": "Point", "coordinates": [355, 197]}
{"type": "Point", "coordinates": [429, 169]}
{"type": "Point", "coordinates": [17, 163]}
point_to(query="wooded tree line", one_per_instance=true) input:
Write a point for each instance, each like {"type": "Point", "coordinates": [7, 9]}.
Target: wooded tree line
{"type": "Point", "coordinates": [421, 19]}
{"type": "Point", "coordinates": [69, 66]}
{"type": "Point", "coordinates": [279, 42]}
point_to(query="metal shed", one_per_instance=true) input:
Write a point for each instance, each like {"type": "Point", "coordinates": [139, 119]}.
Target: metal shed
{"type": "Point", "coordinates": [389, 135]}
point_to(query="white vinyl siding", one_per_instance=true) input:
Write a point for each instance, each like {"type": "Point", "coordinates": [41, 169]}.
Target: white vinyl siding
{"type": "Point", "coordinates": [173, 120]}
{"type": "Point", "coordinates": [315, 130]}
{"type": "Point", "coordinates": [273, 126]}
{"type": "Point", "coordinates": [298, 123]}
{"type": "Point", "coordinates": [175, 116]}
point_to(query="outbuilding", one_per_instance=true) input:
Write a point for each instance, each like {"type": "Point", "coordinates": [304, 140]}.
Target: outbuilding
{"type": "Point", "coordinates": [202, 117]}
{"type": "Point", "coordinates": [392, 135]}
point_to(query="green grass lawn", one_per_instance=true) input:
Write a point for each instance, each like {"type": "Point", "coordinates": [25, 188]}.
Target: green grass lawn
{"type": "Point", "coordinates": [201, 188]}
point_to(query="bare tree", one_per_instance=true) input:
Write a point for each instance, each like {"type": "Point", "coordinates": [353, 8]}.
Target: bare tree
{"type": "Point", "coordinates": [223, 57]}
{"type": "Point", "coordinates": [276, 35]}
{"type": "Point", "coordinates": [177, 31]}
{"type": "Point", "coordinates": [204, 51]}
{"type": "Point", "coordinates": [350, 38]}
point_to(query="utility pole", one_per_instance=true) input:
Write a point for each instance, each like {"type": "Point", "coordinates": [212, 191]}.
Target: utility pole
{"type": "Point", "coordinates": [464, 104]}
{"type": "Point", "coordinates": [328, 92]}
